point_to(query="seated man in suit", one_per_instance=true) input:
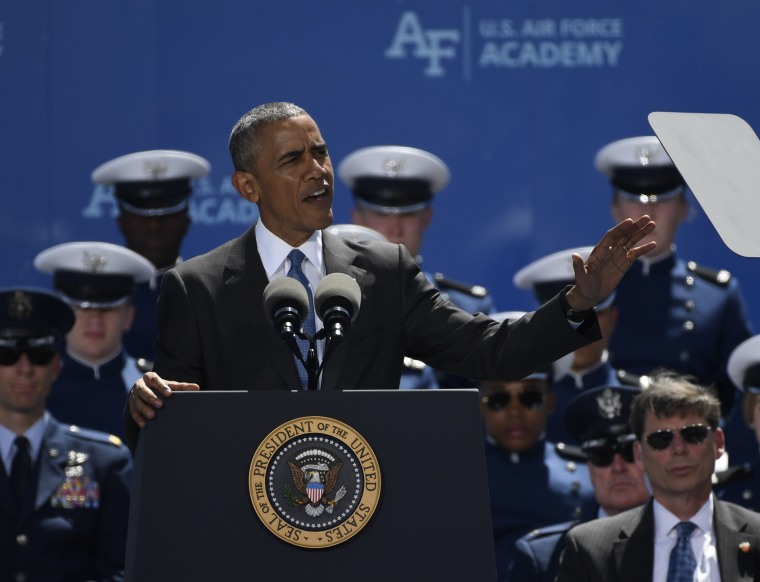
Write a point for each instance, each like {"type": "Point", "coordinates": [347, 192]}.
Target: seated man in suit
{"type": "Point", "coordinates": [684, 532]}
{"type": "Point", "coordinates": [213, 332]}
{"type": "Point", "coordinates": [598, 420]}
{"type": "Point", "coordinates": [64, 490]}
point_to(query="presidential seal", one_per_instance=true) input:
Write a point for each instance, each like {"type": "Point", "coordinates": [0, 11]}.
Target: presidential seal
{"type": "Point", "coordinates": [314, 482]}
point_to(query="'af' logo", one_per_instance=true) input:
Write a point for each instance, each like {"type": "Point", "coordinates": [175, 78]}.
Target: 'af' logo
{"type": "Point", "coordinates": [433, 45]}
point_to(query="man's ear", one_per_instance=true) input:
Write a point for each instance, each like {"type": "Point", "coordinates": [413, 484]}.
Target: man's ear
{"type": "Point", "coordinates": [245, 185]}
{"type": "Point", "coordinates": [637, 455]}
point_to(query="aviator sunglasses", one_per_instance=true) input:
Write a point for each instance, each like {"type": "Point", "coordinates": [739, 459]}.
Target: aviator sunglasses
{"type": "Point", "coordinates": [38, 356]}
{"type": "Point", "coordinates": [693, 435]}
{"type": "Point", "coordinates": [531, 399]}
{"type": "Point", "coordinates": [602, 456]}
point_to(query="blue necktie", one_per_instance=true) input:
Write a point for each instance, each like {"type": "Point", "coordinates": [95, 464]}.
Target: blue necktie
{"type": "Point", "coordinates": [309, 326]}
{"type": "Point", "coordinates": [682, 564]}
{"type": "Point", "coordinates": [21, 469]}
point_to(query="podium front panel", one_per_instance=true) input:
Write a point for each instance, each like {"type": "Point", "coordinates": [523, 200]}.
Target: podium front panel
{"type": "Point", "coordinates": [192, 517]}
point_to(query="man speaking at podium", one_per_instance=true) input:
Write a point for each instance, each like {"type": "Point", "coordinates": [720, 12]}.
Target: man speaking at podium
{"type": "Point", "coordinates": [215, 335]}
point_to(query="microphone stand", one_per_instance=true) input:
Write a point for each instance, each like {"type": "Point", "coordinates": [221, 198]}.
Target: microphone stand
{"type": "Point", "coordinates": [312, 365]}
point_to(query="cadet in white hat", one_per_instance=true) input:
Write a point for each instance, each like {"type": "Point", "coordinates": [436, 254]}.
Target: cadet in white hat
{"type": "Point", "coordinates": [152, 189]}
{"type": "Point", "coordinates": [673, 313]}
{"type": "Point", "coordinates": [546, 277]}
{"type": "Point", "coordinates": [532, 481]}
{"type": "Point", "coordinates": [97, 280]}
{"type": "Point", "coordinates": [393, 188]}
{"type": "Point", "coordinates": [740, 483]}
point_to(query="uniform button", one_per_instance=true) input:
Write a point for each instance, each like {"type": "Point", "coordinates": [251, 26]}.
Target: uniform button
{"type": "Point", "coordinates": [688, 326]}
{"type": "Point", "coordinates": [20, 577]}
{"type": "Point", "coordinates": [571, 467]}
{"type": "Point", "coordinates": [690, 281]}
{"type": "Point", "coordinates": [689, 305]}
{"type": "Point", "coordinates": [22, 540]}
{"type": "Point", "coordinates": [747, 494]}
{"type": "Point", "coordinates": [575, 486]}
{"type": "Point", "coordinates": [684, 356]}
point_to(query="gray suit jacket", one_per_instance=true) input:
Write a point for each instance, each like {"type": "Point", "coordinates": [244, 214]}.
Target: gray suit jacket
{"type": "Point", "coordinates": [213, 329]}
{"type": "Point", "coordinates": [621, 548]}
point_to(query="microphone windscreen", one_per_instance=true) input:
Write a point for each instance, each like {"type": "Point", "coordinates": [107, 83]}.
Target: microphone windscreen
{"type": "Point", "coordinates": [285, 292]}
{"type": "Point", "coordinates": [338, 289]}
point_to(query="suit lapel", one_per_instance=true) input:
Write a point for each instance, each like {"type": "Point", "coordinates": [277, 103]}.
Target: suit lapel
{"type": "Point", "coordinates": [339, 258]}
{"type": "Point", "coordinates": [633, 552]}
{"type": "Point", "coordinates": [245, 279]}
{"type": "Point", "coordinates": [731, 540]}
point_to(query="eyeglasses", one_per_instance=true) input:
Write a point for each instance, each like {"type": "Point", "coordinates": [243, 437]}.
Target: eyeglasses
{"type": "Point", "coordinates": [604, 455]}
{"type": "Point", "coordinates": [41, 356]}
{"type": "Point", "coordinates": [693, 435]}
{"type": "Point", "coordinates": [531, 399]}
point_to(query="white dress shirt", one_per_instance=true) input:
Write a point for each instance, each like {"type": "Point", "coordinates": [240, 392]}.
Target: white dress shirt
{"type": "Point", "coordinates": [34, 434]}
{"type": "Point", "coordinates": [274, 256]}
{"type": "Point", "coordinates": [702, 542]}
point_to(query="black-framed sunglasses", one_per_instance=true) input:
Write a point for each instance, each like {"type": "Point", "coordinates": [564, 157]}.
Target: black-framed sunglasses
{"type": "Point", "coordinates": [531, 399]}
{"type": "Point", "coordinates": [603, 456]}
{"type": "Point", "coordinates": [39, 356]}
{"type": "Point", "coordinates": [694, 434]}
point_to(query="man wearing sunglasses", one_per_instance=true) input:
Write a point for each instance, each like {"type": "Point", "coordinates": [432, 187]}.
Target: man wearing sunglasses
{"type": "Point", "coordinates": [64, 491]}
{"type": "Point", "coordinates": [531, 482]}
{"type": "Point", "coordinates": [684, 532]}
{"type": "Point", "coordinates": [597, 419]}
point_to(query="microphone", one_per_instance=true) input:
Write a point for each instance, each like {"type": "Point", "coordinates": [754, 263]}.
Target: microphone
{"type": "Point", "coordinates": [287, 305]}
{"type": "Point", "coordinates": [337, 303]}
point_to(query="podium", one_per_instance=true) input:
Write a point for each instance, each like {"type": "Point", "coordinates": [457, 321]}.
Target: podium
{"type": "Point", "coordinates": [192, 516]}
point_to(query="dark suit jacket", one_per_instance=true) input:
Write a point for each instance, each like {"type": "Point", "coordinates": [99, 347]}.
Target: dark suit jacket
{"type": "Point", "coordinates": [213, 329]}
{"type": "Point", "coordinates": [621, 548]}
{"type": "Point", "coordinates": [73, 526]}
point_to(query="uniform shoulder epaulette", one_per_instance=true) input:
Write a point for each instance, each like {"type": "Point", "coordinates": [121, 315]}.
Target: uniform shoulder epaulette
{"type": "Point", "coordinates": [718, 276]}
{"type": "Point", "coordinates": [570, 452]}
{"type": "Point", "coordinates": [631, 379]}
{"type": "Point", "coordinates": [474, 290]}
{"type": "Point", "coordinates": [735, 474]}
{"type": "Point", "coordinates": [552, 530]}
{"type": "Point", "coordinates": [144, 365]}
{"type": "Point", "coordinates": [94, 435]}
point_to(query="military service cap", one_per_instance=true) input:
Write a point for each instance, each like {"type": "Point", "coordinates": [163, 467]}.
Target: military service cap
{"type": "Point", "coordinates": [640, 169]}
{"type": "Point", "coordinates": [356, 232]}
{"type": "Point", "coordinates": [548, 275]}
{"type": "Point", "coordinates": [32, 318]}
{"type": "Point", "coordinates": [393, 179]}
{"type": "Point", "coordinates": [152, 183]}
{"type": "Point", "coordinates": [744, 365]}
{"type": "Point", "coordinates": [94, 274]}
{"type": "Point", "coordinates": [599, 414]}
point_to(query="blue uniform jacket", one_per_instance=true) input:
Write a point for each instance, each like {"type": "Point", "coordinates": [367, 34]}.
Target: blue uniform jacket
{"type": "Point", "coordinates": [743, 488]}
{"type": "Point", "coordinates": [537, 554]}
{"type": "Point", "coordinates": [75, 525]}
{"type": "Point", "coordinates": [679, 318]}
{"type": "Point", "coordinates": [93, 397]}
{"type": "Point", "coordinates": [531, 489]}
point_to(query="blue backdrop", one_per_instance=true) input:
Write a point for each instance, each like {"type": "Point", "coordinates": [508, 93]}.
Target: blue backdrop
{"type": "Point", "coordinates": [515, 96]}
